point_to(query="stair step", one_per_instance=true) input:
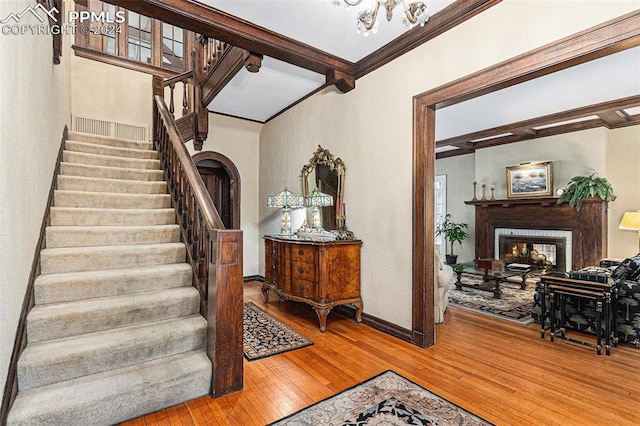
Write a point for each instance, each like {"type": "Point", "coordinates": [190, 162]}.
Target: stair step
{"type": "Point", "coordinates": [109, 161]}
{"type": "Point", "coordinates": [109, 141]}
{"type": "Point", "coordinates": [77, 259]}
{"type": "Point", "coordinates": [81, 183]}
{"type": "Point", "coordinates": [88, 170]}
{"type": "Point", "coordinates": [117, 395]}
{"type": "Point", "coordinates": [70, 216]}
{"type": "Point", "coordinates": [58, 320]}
{"type": "Point", "coordinates": [89, 236]}
{"type": "Point", "coordinates": [91, 148]}
{"type": "Point", "coordinates": [70, 286]}
{"type": "Point", "coordinates": [106, 200]}
{"type": "Point", "coordinates": [68, 358]}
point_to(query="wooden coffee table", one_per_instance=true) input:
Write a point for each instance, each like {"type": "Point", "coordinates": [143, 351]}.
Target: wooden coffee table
{"type": "Point", "coordinates": [491, 280]}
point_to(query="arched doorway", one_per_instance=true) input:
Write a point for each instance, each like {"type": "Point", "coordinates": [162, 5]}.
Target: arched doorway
{"type": "Point", "coordinates": [222, 180]}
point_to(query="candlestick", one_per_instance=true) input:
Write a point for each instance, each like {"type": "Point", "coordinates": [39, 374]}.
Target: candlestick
{"type": "Point", "coordinates": [474, 191]}
{"type": "Point", "coordinates": [483, 188]}
{"type": "Point", "coordinates": [492, 187]}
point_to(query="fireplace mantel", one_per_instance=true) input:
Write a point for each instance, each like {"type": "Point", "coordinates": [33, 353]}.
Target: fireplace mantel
{"type": "Point", "coordinates": [589, 225]}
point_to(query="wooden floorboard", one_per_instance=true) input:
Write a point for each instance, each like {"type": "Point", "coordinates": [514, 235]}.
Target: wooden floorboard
{"type": "Point", "coordinates": [499, 370]}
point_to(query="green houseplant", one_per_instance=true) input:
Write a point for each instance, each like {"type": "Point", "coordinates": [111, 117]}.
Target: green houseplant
{"type": "Point", "coordinates": [454, 232]}
{"type": "Point", "coordinates": [582, 187]}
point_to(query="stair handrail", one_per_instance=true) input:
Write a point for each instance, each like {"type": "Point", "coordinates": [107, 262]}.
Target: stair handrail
{"type": "Point", "coordinates": [195, 210]}
{"type": "Point", "coordinates": [214, 253]}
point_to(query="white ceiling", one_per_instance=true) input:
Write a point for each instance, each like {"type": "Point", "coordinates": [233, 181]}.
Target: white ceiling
{"type": "Point", "coordinates": [320, 24]}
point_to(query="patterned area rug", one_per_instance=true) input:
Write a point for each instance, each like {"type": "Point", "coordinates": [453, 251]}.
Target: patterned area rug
{"type": "Point", "coordinates": [515, 304]}
{"type": "Point", "coordinates": [387, 399]}
{"type": "Point", "coordinates": [264, 335]}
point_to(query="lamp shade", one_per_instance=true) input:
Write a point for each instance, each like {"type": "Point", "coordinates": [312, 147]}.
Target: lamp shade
{"type": "Point", "coordinates": [630, 221]}
{"type": "Point", "coordinates": [286, 199]}
{"type": "Point", "coordinates": [319, 199]}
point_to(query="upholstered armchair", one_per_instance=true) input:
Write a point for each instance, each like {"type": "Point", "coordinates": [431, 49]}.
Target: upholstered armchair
{"type": "Point", "coordinates": [444, 273]}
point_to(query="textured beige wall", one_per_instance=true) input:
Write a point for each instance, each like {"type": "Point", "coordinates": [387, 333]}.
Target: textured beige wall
{"type": "Point", "coordinates": [110, 93]}
{"type": "Point", "coordinates": [460, 173]}
{"type": "Point", "coordinates": [624, 175]}
{"type": "Point", "coordinates": [34, 109]}
{"type": "Point", "coordinates": [239, 140]}
{"type": "Point", "coordinates": [614, 154]}
{"type": "Point", "coordinates": [370, 128]}
{"type": "Point", "coordinates": [577, 153]}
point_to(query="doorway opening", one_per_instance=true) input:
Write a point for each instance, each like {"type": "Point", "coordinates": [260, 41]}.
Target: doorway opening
{"type": "Point", "coordinates": [222, 180]}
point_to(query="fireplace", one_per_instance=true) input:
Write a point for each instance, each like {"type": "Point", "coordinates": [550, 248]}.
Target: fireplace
{"type": "Point", "coordinates": [588, 227]}
{"type": "Point", "coordinates": [545, 249]}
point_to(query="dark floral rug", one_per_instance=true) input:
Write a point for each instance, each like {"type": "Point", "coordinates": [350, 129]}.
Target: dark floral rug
{"type": "Point", "coordinates": [515, 304]}
{"type": "Point", "coordinates": [387, 399]}
{"type": "Point", "coordinates": [264, 335]}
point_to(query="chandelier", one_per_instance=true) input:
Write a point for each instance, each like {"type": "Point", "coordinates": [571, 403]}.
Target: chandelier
{"type": "Point", "coordinates": [414, 14]}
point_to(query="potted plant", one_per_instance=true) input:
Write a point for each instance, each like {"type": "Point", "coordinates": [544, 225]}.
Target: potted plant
{"type": "Point", "coordinates": [582, 187]}
{"type": "Point", "coordinates": [454, 232]}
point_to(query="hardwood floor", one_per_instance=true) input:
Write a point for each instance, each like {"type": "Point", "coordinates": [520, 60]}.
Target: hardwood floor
{"type": "Point", "coordinates": [498, 370]}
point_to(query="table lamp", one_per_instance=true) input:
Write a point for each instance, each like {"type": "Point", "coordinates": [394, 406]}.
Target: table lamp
{"type": "Point", "coordinates": [631, 222]}
{"type": "Point", "coordinates": [285, 199]}
{"type": "Point", "coordinates": [317, 199]}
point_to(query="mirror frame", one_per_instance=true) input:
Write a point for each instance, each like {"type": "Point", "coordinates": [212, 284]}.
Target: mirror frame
{"type": "Point", "coordinates": [324, 157]}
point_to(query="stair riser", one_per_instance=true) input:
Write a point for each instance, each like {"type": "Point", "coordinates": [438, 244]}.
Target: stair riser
{"type": "Point", "coordinates": [81, 217]}
{"type": "Point", "coordinates": [99, 200]}
{"type": "Point", "coordinates": [81, 236]}
{"type": "Point", "coordinates": [108, 161]}
{"type": "Point", "coordinates": [78, 183]}
{"type": "Point", "coordinates": [107, 150]}
{"type": "Point", "coordinates": [77, 320]}
{"type": "Point", "coordinates": [108, 141]}
{"type": "Point", "coordinates": [111, 398]}
{"type": "Point", "coordinates": [57, 288]}
{"type": "Point", "coordinates": [48, 363]}
{"type": "Point", "coordinates": [110, 172]}
{"type": "Point", "coordinates": [97, 258]}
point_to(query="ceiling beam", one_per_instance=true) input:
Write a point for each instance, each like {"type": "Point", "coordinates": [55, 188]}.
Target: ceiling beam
{"type": "Point", "coordinates": [609, 114]}
{"type": "Point", "coordinates": [222, 26]}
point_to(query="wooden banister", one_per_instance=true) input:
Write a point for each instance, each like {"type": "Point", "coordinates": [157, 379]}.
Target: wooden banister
{"type": "Point", "coordinates": [214, 253]}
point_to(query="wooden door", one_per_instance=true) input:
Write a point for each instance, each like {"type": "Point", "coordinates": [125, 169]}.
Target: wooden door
{"type": "Point", "coordinates": [218, 183]}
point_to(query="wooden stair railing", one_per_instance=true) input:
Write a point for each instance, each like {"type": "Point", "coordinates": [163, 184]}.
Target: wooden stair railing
{"type": "Point", "coordinates": [214, 253]}
{"type": "Point", "coordinates": [215, 63]}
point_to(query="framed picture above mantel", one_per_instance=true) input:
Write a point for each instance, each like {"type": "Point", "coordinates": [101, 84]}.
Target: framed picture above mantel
{"type": "Point", "coordinates": [530, 180]}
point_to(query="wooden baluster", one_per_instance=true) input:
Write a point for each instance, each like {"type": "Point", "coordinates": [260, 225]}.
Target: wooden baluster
{"type": "Point", "coordinates": [185, 102]}
{"type": "Point", "coordinates": [172, 108]}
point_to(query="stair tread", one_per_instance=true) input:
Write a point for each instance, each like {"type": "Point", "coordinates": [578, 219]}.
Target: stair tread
{"type": "Point", "coordinates": [107, 303]}
{"type": "Point", "coordinates": [57, 348]}
{"type": "Point", "coordinates": [115, 168]}
{"type": "Point", "coordinates": [116, 200]}
{"type": "Point", "coordinates": [100, 139]}
{"type": "Point", "coordinates": [116, 272]}
{"type": "Point", "coordinates": [110, 194]}
{"type": "Point", "coordinates": [122, 161]}
{"type": "Point", "coordinates": [75, 146]}
{"type": "Point", "coordinates": [116, 395]}
{"type": "Point", "coordinates": [97, 210]}
{"type": "Point", "coordinates": [134, 186]}
{"type": "Point", "coordinates": [46, 362]}
{"type": "Point", "coordinates": [106, 249]}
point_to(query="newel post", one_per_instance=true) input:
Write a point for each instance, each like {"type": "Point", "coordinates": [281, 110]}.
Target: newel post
{"type": "Point", "coordinates": [224, 311]}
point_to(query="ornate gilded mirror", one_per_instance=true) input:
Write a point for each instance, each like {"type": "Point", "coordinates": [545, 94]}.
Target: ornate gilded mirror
{"type": "Point", "coordinates": [326, 173]}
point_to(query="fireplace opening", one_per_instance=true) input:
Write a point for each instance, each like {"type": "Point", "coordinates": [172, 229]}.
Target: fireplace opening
{"type": "Point", "coordinates": [544, 253]}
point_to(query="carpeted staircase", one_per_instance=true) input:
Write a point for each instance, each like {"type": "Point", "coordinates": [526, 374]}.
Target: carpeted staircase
{"type": "Point", "coordinates": [115, 331]}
